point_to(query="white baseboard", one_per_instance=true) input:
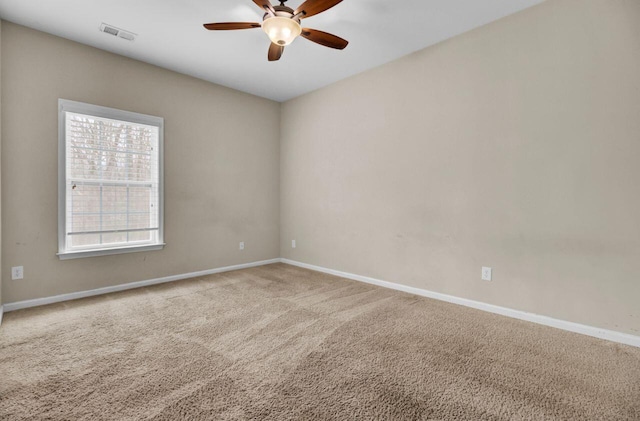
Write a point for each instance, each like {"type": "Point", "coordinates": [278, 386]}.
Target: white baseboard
{"type": "Point", "coordinates": [99, 291]}
{"type": "Point", "coordinates": [596, 332]}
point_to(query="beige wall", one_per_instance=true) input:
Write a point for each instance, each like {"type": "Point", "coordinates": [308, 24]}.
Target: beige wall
{"type": "Point", "coordinates": [1, 271]}
{"type": "Point", "coordinates": [516, 146]}
{"type": "Point", "coordinates": [221, 173]}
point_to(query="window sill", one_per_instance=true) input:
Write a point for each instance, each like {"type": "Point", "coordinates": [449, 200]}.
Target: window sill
{"type": "Point", "coordinates": [106, 252]}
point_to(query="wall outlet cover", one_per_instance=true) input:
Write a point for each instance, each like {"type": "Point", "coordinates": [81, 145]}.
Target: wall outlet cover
{"type": "Point", "coordinates": [17, 272]}
{"type": "Point", "coordinates": [486, 274]}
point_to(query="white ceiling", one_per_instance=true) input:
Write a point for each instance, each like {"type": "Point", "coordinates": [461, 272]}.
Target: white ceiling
{"type": "Point", "coordinates": [170, 35]}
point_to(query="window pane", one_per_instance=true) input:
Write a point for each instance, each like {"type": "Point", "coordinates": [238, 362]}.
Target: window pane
{"type": "Point", "coordinates": [141, 168]}
{"type": "Point", "coordinates": [114, 238]}
{"type": "Point", "coordinates": [114, 198]}
{"type": "Point", "coordinates": [85, 223]}
{"type": "Point", "coordinates": [84, 198]}
{"type": "Point", "coordinates": [140, 199]}
{"type": "Point", "coordinates": [140, 236]}
{"type": "Point", "coordinates": [84, 164]}
{"type": "Point", "coordinates": [85, 240]}
{"type": "Point", "coordinates": [115, 166]}
{"type": "Point", "coordinates": [140, 220]}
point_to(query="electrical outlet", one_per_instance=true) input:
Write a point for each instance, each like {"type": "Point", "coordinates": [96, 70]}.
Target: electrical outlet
{"type": "Point", "coordinates": [486, 274]}
{"type": "Point", "coordinates": [17, 272]}
{"type": "Point", "coordinates": [241, 245]}
{"type": "Point", "coordinates": [293, 244]}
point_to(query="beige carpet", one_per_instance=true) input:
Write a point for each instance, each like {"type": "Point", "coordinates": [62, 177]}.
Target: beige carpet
{"type": "Point", "coordinates": [282, 343]}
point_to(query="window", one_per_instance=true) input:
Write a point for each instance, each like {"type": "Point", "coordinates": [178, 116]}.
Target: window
{"type": "Point", "coordinates": [110, 181]}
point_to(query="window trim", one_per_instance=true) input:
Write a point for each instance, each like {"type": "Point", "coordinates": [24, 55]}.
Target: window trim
{"type": "Point", "coordinates": [65, 106]}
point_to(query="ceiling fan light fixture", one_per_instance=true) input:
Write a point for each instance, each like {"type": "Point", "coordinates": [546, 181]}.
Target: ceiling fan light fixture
{"type": "Point", "coordinates": [282, 25]}
{"type": "Point", "coordinates": [281, 30]}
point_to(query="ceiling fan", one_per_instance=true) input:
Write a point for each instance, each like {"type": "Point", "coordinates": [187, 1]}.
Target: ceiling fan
{"type": "Point", "coordinates": [282, 25]}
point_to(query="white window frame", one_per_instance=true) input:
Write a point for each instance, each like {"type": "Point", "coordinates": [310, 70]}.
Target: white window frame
{"type": "Point", "coordinates": [65, 106]}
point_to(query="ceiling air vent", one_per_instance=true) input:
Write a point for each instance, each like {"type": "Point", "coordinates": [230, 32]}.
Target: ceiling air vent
{"type": "Point", "coordinates": [117, 32]}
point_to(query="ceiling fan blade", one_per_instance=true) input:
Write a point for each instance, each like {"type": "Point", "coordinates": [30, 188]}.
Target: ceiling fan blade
{"type": "Point", "coordinates": [226, 26]}
{"type": "Point", "coordinates": [324, 38]}
{"type": "Point", "coordinates": [275, 52]}
{"type": "Point", "coordinates": [265, 5]}
{"type": "Point", "coordinates": [313, 7]}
